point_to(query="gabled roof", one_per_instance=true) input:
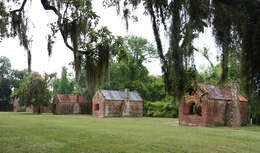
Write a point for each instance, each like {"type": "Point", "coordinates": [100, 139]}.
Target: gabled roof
{"type": "Point", "coordinates": [216, 92]}
{"type": "Point", "coordinates": [70, 98]}
{"type": "Point", "coordinates": [119, 95]}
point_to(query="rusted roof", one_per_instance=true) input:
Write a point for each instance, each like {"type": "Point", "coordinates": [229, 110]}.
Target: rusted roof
{"type": "Point", "coordinates": [119, 95]}
{"type": "Point", "coordinates": [70, 98]}
{"type": "Point", "coordinates": [216, 92]}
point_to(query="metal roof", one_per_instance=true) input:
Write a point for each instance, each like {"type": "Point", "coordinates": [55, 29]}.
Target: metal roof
{"type": "Point", "coordinates": [216, 92]}
{"type": "Point", "coordinates": [119, 95]}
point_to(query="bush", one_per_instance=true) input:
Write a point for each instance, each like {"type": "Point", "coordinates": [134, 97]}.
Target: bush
{"type": "Point", "coordinates": [163, 108]}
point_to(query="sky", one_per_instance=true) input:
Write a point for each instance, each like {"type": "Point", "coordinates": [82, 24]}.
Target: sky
{"type": "Point", "coordinates": [61, 56]}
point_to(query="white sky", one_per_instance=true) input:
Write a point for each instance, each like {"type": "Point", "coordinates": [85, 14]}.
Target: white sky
{"type": "Point", "coordinates": [62, 56]}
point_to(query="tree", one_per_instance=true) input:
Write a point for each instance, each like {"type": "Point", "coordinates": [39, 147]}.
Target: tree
{"type": "Point", "coordinates": [77, 24]}
{"type": "Point", "coordinates": [9, 79]}
{"type": "Point", "coordinates": [233, 22]}
{"type": "Point", "coordinates": [18, 76]}
{"type": "Point", "coordinates": [130, 72]}
{"type": "Point", "coordinates": [34, 91]}
{"type": "Point", "coordinates": [63, 85]}
{"type": "Point", "coordinates": [5, 74]}
{"type": "Point", "coordinates": [3, 21]}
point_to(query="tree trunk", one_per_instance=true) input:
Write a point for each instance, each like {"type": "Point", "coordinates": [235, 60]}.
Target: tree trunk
{"type": "Point", "coordinates": [38, 110]}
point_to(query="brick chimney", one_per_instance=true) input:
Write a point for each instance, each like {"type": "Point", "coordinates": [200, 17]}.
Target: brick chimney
{"type": "Point", "coordinates": [77, 98]}
{"type": "Point", "coordinates": [235, 91]}
{"type": "Point", "coordinates": [126, 95]}
{"type": "Point", "coordinates": [235, 105]}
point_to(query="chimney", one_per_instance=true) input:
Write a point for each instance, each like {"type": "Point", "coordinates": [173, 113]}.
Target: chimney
{"type": "Point", "coordinates": [126, 95]}
{"type": "Point", "coordinates": [235, 91]}
{"type": "Point", "coordinates": [235, 105]}
{"type": "Point", "coordinates": [77, 98]}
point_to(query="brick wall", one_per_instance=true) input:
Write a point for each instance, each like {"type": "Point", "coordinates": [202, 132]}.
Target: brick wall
{"type": "Point", "coordinates": [110, 108]}
{"type": "Point", "coordinates": [98, 99]}
{"type": "Point", "coordinates": [214, 112]}
{"type": "Point", "coordinates": [135, 109]}
{"type": "Point", "coordinates": [65, 108]}
{"type": "Point", "coordinates": [184, 117]}
{"type": "Point", "coordinates": [244, 112]}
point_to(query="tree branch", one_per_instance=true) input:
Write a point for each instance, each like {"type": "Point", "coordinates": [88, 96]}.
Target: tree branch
{"type": "Point", "coordinates": [47, 6]}
{"type": "Point", "coordinates": [157, 37]}
{"type": "Point", "coordinates": [205, 56]}
{"type": "Point", "coordinates": [21, 8]}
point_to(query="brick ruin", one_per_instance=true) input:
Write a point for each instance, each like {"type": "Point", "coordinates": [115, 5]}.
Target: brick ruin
{"type": "Point", "coordinates": [210, 105]}
{"type": "Point", "coordinates": [110, 103]}
{"type": "Point", "coordinates": [70, 104]}
{"type": "Point", "coordinates": [31, 108]}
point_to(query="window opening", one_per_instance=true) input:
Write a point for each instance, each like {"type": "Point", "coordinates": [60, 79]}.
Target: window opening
{"type": "Point", "coordinates": [97, 107]}
{"type": "Point", "coordinates": [192, 108]}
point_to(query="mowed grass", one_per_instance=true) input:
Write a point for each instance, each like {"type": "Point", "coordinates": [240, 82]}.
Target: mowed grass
{"type": "Point", "coordinates": [26, 132]}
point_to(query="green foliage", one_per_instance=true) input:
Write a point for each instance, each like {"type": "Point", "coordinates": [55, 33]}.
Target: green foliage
{"type": "Point", "coordinates": [235, 25]}
{"type": "Point", "coordinates": [5, 67]}
{"type": "Point", "coordinates": [3, 21]}
{"type": "Point", "coordinates": [129, 72]}
{"type": "Point", "coordinates": [63, 85]}
{"type": "Point", "coordinates": [9, 78]}
{"type": "Point", "coordinates": [186, 19]}
{"type": "Point", "coordinates": [103, 47]}
{"type": "Point", "coordinates": [165, 108]}
{"type": "Point", "coordinates": [34, 91]}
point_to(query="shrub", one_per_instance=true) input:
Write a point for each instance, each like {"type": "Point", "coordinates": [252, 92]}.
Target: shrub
{"type": "Point", "coordinates": [163, 108]}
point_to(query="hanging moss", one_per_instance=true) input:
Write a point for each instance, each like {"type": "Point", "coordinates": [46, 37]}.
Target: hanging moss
{"type": "Point", "coordinates": [19, 27]}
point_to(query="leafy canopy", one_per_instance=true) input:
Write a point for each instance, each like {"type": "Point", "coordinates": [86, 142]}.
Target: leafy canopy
{"type": "Point", "coordinates": [234, 22]}
{"type": "Point", "coordinates": [34, 91]}
{"type": "Point", "coordinates": [10, 79]}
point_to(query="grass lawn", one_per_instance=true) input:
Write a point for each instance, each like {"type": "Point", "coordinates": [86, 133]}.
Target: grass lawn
{"type": "Point", "coordinates": [26, 132]}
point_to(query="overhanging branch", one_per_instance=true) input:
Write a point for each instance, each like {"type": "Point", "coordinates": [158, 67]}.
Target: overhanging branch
{"type": "Point", "coordinates": [157, 37]}
{"type": "Point", "coordinates": [21, 8]}
{"type": "Point", "coordinates": [47, 6]}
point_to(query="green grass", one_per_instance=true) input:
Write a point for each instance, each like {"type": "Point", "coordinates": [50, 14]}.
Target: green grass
{"type": "Point", "coordinates": [25, 132]}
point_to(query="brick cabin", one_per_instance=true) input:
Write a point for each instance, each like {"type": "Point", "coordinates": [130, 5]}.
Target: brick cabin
{"type": "Point", "coordinates": [33, 109]}
{"type": "Point", "coordinates": [69, 104]}
{"type": "Point", "coordinates": [111, 103]}
{"type": "Point", "coordinates": [18, 108]}
{"type": "Point", "coordinates": [210, 105]}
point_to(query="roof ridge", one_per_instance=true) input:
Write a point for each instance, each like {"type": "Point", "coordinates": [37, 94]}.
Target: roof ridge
{"type": "Point", "coordinates": [119, 95]}
{"type": "Point", "coordinates": [118, 90]}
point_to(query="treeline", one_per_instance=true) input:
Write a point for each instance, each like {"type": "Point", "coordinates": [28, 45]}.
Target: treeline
{"type": "Point", "coordinates": [10, 79]}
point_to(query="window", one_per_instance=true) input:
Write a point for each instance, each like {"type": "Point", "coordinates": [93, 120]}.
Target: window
{"type": "Point", "coordinates": [191, 109]}
{"type": "Point", "coordinates": [97, 107]}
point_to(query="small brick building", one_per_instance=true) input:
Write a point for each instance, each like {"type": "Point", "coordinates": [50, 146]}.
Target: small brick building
{"type": "Point", "coordinates": [69, 104]}
{"type": "Point", "coordinates": [110, 103]}
{"type": "Point", "coordinates": [32, 109]}
{"type": "Point", "coordinates": [210, 105]}
{"type": "Point", "coordinates": [43, 109]}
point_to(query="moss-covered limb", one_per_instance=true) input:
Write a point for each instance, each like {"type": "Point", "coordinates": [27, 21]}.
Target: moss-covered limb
{"type": "Point", "coordinates": [21, 8]}
{"type": "Point", "coordinates": [156, 34]}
